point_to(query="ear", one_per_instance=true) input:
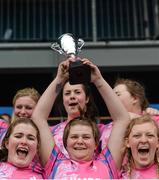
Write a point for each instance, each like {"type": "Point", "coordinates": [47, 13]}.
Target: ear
{"type": "Point", "coordinates": [127, 143]}
{"type": "Point", "coordinates": [135, 99]}
{"type": "Point", "coordinates": [96, 147]}
{"type": "Point", "coordinates": [6, 144]}
{"type": "Point", "coordinates": [87, 100]}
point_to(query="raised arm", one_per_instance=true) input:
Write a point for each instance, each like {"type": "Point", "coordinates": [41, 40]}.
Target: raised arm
{"type": "Point", "coordinates": [43, 109]}
{"type": "Point", "coordinates": [115, 107]}
{"type": "Point", "coordinates": [117, 111]}
{"type": "Point", "coordinates": [48, 97]}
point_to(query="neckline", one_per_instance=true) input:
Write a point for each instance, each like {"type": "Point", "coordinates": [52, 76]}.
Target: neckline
{"type": "Point", "coordinates": [145, 168]}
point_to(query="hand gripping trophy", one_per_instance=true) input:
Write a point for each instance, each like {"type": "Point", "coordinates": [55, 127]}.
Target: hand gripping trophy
{"type": "Point", "coordinates": [68, 45]}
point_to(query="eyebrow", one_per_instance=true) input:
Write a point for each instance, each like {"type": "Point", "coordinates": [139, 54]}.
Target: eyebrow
{"type": "Point", "coordinates": [21, 133]}
{"type": "Point", "coordinates": [31, 135]}
{"type": "Point", "coordinates": [81, 134]}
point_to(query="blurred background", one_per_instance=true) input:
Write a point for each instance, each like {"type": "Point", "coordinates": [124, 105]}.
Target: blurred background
{"type": "Point", "coordinates": [121, 37]}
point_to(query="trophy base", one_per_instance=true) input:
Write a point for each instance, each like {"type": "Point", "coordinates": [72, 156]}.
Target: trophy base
{"type": "Point", "coordinates": [79, 73]}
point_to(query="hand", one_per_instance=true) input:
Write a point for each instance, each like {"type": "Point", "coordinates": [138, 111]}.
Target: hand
{"type": "Point", "coordinates": [62, 72]}
{"type": "Point", "coordinates": [151, 111]}
{"type": "Point", "coordinates": [95, 72]}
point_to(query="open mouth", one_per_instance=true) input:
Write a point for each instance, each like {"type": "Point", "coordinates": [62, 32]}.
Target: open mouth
{"type": "Point", "coordinates": [73, 104]}
{"type": "Point", "coordinates": [143, 151]}
{"type": "Point", "coordinates": [22, 152]}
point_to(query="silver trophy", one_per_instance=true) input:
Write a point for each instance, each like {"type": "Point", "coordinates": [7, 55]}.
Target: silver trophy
{"type": "Point", "coordinates": [68, 45]}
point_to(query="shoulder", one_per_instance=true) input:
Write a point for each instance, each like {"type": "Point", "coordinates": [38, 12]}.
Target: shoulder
{"type": "Point", "coordinates": [56, 159]}
{"type": "Point", "coordinates": [57, 127]}
{"type": "Point", "coordinates": [6, 170]}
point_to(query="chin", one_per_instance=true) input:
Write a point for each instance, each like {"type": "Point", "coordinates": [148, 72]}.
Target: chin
{"type": "Point", "coordinates": [22, 164]}
{"type": "Point", "coordinates": [144, 165]}
{"type": "Point", "coordinates": [81, 159]}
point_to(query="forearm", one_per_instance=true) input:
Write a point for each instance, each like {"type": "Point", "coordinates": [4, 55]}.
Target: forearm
{"type": "Point", "coordinates": [46, 101]}
{"type": "Point", "coordinates": [46, 139]}
{"type": "Point", "coordinates": [47, 143]}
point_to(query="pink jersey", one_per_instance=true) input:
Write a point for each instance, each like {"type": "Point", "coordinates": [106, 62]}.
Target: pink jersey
{"type": "Point", "coordinates": [3, 124]}
{"type": "Point", "coordinates": [3, 129]}
{"type": "Point", "coordinates": [57, 132]}
{"type": "Point", "coordinates": [105, 134]}
{"type": "Point", "coordinates": [146, 173]}
{"type": "Point", "coordinates": [8, 171]}
{"type": "Point", "coordinates": [61, 167]}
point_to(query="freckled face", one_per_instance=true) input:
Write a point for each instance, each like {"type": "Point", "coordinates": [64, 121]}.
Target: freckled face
{"type": "Point", "coordinates": [143, 142]}
{"type": "Point", "coordinates": [22, 145]}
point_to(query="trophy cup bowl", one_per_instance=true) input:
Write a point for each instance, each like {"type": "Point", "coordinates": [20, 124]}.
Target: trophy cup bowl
{"type": "Point", "coordinates": [69, 46]}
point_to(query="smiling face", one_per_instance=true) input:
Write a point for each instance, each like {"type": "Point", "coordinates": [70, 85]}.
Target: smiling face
{"type": "Point", "coordinates": [24, 106]}
{"type": "Point", "coordinates": [143, 142]}
{"type": "Point", "coordinates": [81, 143]}
{"type": "Point", "coordinates": [22, 145]}
{"type": "Point", "coordinates": [73, 97]}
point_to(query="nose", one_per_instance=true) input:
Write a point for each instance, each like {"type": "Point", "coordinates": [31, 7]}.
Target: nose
{"type": "Point", "coordinates": [80, 140]}
{"type": "Point", "coordinates": [23, 140]}
{"type": "Point", "coordinates": [23, 110]}
{"type": "Point", "coordinates": [72, 96]}
{"type": "Point", "coordinates": [143, 138]}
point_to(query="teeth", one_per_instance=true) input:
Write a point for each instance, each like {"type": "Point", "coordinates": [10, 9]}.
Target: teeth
{"type": "Point", "coordinates": [22, 148]}
{"type": "Point", "coordinates": [21, 151]}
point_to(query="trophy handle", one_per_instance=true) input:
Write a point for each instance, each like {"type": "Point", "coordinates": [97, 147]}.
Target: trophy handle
{"type": "Point", "coordinates": [80, 44]}
{"type": "Point", "coordinates": [55, 46]}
